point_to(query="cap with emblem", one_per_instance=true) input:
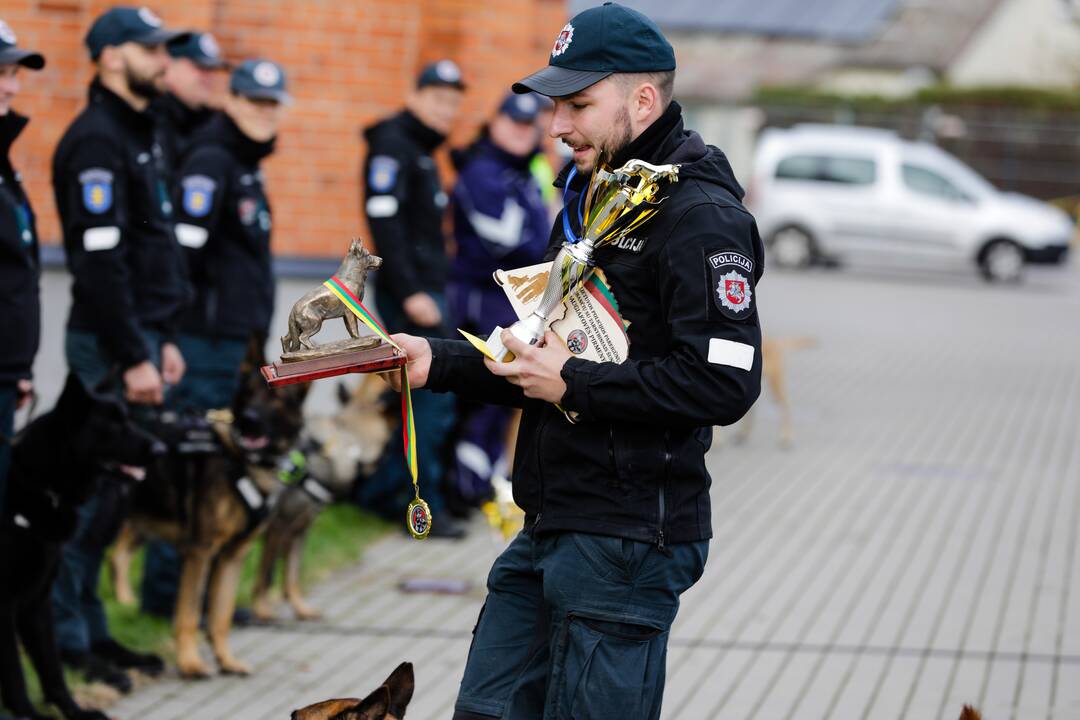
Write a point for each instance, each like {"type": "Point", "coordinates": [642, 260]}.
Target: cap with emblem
{"type": "Point", "coordinates": [260, 80]}
{"type": "Point", "coordinates": [596, 43]}
{"type": "Point", "coordinates": [121, 25]}
{"type": "Point", "coordinates": [523, 108]}
{"type": "Point", "coordinates": [444, 72]}
{"type": "Point", "coordinates": [12, 55]}
{"type": "Point", "coordinates": [200, 48]}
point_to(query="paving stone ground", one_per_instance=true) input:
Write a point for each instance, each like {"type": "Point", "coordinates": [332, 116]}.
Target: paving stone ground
{"type": "Point", "coordinates": [915, 550]}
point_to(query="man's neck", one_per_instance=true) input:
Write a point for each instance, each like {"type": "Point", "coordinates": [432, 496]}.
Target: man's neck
{"type": "Point", "coordinates": [119, 87]}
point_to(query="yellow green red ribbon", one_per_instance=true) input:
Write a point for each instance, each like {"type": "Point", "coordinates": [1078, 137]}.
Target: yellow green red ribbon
{"type": "Point", "coordinates": [408, 428]}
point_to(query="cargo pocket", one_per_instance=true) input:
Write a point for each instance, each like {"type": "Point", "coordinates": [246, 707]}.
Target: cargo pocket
{"type": "Point", "coordinates": [608, 668]}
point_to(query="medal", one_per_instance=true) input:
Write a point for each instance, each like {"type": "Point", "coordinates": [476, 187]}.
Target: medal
{"type": "Point", "coordinates": [418, 517]}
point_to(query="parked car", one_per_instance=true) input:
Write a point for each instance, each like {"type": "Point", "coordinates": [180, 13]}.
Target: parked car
{"type": "Point", "coordinates": [825, 193]}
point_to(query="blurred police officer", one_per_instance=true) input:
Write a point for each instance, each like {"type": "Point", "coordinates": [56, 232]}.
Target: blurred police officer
{"type": "Point", "coordinates": [111, 183]}
{"type": "Point", "coordinates": [223, 223]}
{"type": "Point", "coordinates": [20, 308]}
{"type": "Point", "coordinates": [405, 206]}
{"type": "Point", "coordinates": [189, 87]}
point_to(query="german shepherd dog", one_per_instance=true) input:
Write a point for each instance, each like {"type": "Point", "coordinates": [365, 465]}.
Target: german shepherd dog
{"type": "Point", "coordinates": [56, 460]}
{"type": "Point", "coordinates": [387, 702]}
{"type": "Point", "coordinates": [212, 507]}
{"type": "Point", "coordinates": [334, 449]}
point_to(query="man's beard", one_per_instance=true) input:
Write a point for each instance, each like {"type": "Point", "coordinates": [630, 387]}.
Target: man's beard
{"type": "Point", "coordinates": [143, 87]}
{"type": "Point", "coordinates": [621, 135]}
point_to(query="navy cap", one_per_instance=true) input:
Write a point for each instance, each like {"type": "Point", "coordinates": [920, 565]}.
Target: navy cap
{"type": "Point", "coordinates": [523, 108]}
{"type": "Point", "coordinates": [596, 43]}
{"type": "Point", "coordinates": [444, 72]}
{"type": "Point", "coordinates": [260, 80]}
{"type": "Point", "coordinates": [120, 25]}
{"type": "Point", "coordinates": [11, 55]}
{"type": "Point", "coordinates": [200, 48]}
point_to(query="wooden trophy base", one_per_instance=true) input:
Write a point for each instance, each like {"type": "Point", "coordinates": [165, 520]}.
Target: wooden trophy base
{"type": "Point", "coordinates": [363, 355]}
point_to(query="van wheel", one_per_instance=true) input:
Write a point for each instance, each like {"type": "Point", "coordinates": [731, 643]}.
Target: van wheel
{"type": "Point", "coordinates": [1002, 261]}
{"type": "Point", "coordinates": [792, 247]}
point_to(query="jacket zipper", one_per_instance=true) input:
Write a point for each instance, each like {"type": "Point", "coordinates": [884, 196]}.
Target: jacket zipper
{"type": "Point", "coordinates": [539, 475]}
{"type": "Point", "coordinates": [660, 540]}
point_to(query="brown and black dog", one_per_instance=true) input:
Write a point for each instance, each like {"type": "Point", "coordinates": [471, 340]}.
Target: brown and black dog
{"type": "Point", "coordinates": [774, 353]}
{"type": "Point", "coordinates": [387, 702]}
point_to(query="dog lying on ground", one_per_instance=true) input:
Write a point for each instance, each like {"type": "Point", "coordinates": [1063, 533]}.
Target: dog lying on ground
{"type": "Point", "coordinates": [212, 503]}
{"type": "Point", "coordinates": [322, 470]}
{"type": "Point", "coordinates": [387, 702]}
{"type": "Point", "coordinates": [773, 354]}
{"type": "Point", "coordinates": [56, 460]}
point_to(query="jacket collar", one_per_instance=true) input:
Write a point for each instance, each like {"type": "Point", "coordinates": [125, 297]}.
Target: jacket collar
{"type": "Point", "coordinates": [10, 126]}
{"type": "Point", "coordinates": [177, 114]}
{"type": "Point", "coordinates": [221, 130]}
{"type": "Point", "coordinates": [118, 108]}
{"type": "Point", "coordinates": [426, 137]}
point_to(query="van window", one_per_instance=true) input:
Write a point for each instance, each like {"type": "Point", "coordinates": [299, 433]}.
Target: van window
{"type": "Point", "coordinates": [827, 168]}
{"type": "Point", "coordinates": [924, 181]}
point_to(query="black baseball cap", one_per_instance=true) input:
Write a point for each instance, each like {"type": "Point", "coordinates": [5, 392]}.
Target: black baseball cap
{"type": "Point", "coordinates": [523, 108]}
{"type": "Point", "coordinates": [12, 55]}
{"type": "Point", "coordinates": [120, 25]}
{"type": "Point", "coordinates": [443, 72]}
{"type": "Point", "coordinates": [261, 80]}
{"type": "Point", "coordinates": [596, 43]}
{"type": "Point", "coordinates": [200, 48]}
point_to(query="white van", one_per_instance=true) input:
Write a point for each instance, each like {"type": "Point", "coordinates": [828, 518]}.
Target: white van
{"type": "Point", "coordinates": [825, 193]}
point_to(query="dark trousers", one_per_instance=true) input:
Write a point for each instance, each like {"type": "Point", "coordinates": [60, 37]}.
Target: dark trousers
{"type": "Point", "coordinates": [8, 396]}
{"type": "Point", "coordinates": [77, 610]}
{"type": "Point", "coordinates": [576, 626]}
{"type": "Point", "coordinates": [211, 381]}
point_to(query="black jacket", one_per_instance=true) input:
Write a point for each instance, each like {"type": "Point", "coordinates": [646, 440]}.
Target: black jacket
{"type": "Point", "coordinates": [634, 466]}
{"type": "Point", "coordinates": [177, 123]}
{"type": "Point", "coordinates": [404, 202]}
{"type": "Point", "coordinates": [20, 266]}
{"type": "Point", "coordinates": [111, 181]}
{"type": "Point", "coordinates": [223, 223]}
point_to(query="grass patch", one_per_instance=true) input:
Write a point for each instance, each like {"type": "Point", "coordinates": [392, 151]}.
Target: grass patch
{"type": "Point", "coordinates": [338, 538]}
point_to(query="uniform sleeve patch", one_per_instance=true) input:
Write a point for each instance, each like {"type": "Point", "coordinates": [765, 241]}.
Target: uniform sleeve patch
{"type": "Point", "coordinates": [382, 206]}
{"type": "Point", "coordinates": [731, 283]}
{"type": "Point", "coordinates": [382, 173]}
{"type": "Point", "coordinates": [97, 189]}
{"type": "Point", "coordinates": [191, 236]}
{"type": "Point", "coordinates": [731, 353]}
{"type": "Point", "coordinates": [198, 195]}
{"type": "Point", "coordinates": [101, 238]}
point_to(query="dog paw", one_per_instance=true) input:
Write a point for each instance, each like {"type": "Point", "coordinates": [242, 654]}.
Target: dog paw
{"type": "Point", "coordinates": [232, 666]}
{"type": "Point", "coordinates": [307, 612]}
{"type": "Point", "coordinates": [193, 668]}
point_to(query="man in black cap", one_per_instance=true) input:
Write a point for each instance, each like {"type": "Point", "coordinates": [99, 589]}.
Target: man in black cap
{"type": "Point", "coordinates": [405, 205]}
{"type": "Point", "coordinates": [20, 267]}
{"type": "Point", "coordinates": [189, 87]}
{"type": "Point", "coordinates": [618, 517]}
{"type": "Point", "coordinates": [223, 223]}
{"type": "Point", "coordinates": [111, 182]}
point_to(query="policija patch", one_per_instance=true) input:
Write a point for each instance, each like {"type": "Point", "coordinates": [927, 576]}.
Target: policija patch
{"type": "Point", "coordinates": [731, 276]}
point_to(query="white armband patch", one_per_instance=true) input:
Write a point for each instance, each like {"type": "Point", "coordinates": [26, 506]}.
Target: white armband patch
{"type": "Point", "coordinates": [191, 236]}
{"type": "Point", "coordinates": [382, 206]}
{"type": "Point", "coordinates": [729, 352]}
{"type": "Point", "coordinates": [101, 238]}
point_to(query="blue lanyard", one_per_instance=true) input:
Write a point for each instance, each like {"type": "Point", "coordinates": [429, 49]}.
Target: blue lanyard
{"type": "Point", "coordinates": [567, 230]}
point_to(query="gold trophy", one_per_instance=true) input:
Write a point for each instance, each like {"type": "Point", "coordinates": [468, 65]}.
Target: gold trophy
{"type": "Point", "coordinates": [617, 202]}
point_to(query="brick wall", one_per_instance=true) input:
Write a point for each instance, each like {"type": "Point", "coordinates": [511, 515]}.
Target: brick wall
{"type": "Point", "coordinates": [349, 62]}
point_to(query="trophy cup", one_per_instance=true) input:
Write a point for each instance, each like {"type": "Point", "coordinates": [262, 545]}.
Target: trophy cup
{"type": "Point", "coordinates": [339, 297]}
{"type": "Point", "coordinates": [617, 202]}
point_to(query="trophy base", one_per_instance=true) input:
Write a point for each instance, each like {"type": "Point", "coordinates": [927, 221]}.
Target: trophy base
{"type": "Point", "coordinates": [368, 358]}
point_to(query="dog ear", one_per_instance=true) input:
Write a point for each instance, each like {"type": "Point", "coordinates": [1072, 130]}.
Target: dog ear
{"type": "Point", "coordinates": [342, 394]}
{"type": "Point", "coordinates": [325, 710]}
{"type": "Point", "coordinates": [401, 684]}
{"type": "Point", "coordinates": [970, 713]}
{"type": "Point", "coordinates": [373, 707]}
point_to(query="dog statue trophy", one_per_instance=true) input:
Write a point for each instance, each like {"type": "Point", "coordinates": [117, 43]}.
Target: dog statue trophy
{"type": "Point", "coordinates": [340, 297]}
{"type": "Point", "coordinates": [617, 202]}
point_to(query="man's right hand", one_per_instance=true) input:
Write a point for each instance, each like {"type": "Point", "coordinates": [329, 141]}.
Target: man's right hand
{"type": "Point", "coordinates": [418, 350]}
{"type": "Point", "coordinates": [422, 310]}
{"type": "Point", "coordinates": [142, 384]}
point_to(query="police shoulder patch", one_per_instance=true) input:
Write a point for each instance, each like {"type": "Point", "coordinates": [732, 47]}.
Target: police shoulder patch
{"type": "Point", "coordinates": [731, 279]}
{"type": "Point", "coordinates": [97, 189]}
{"type": "Point", "coordinates": [382, 173]}
{"type": "Point", "coordinates": [198, 195]}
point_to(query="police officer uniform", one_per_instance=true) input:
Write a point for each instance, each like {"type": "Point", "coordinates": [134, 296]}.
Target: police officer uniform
{"type": "Point", "coordinates": [618, 511]}
{"type": "Point", "coordinates": [176, 120]}
{"type": "Point", "coordinates": [20, 267]}
{"type": "Point", "coordinates": [111, 182]}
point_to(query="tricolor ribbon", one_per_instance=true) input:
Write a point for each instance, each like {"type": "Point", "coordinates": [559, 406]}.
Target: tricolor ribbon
{"type": "Point", "coordinates": [408, 428]}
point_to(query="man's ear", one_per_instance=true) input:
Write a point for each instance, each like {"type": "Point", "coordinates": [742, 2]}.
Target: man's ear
{"type": "Point", "coordinates": [646, 100]}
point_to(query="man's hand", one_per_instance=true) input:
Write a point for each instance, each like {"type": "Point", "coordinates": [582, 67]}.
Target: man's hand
{"type": "Point", "coordinates": [536, 369]}
{"type": "Point", "coordinates": [172, 364]}
{"type": "Point", "coordinates": [24, 390]}
{"type": "Point", "coordinates": [418, 350]}
{"type": "Point", "coordinates": [142, 384]}
{"type": "Point", "coordinates": [422, 310]}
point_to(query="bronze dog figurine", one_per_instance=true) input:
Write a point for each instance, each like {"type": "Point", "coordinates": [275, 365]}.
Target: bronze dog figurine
{"type": "Point", "coordinates": [318, 305]}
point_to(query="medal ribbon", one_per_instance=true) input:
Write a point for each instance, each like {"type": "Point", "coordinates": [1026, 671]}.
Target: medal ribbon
{"type": "Point", "coordinates": [408, 429]}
